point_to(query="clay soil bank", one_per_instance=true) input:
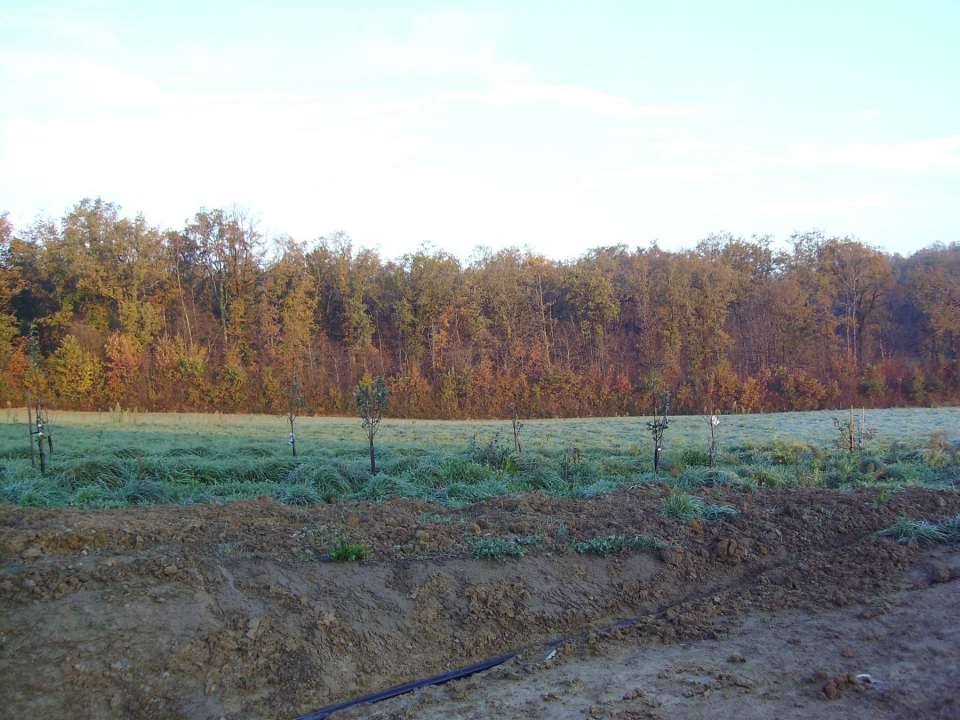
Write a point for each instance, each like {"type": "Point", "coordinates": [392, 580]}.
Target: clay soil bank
{"type": "Point", "coordinates": [792, 608]}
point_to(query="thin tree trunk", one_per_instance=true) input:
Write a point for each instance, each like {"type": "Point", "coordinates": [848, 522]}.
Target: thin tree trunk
{"type": "Point", "coordinates": [43, 457]}
{"type": "Point", "coordinates": [33, 454]}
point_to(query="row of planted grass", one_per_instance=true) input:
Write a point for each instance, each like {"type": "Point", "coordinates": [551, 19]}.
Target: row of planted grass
{"type": "Point", "coordinates": [120, 467]}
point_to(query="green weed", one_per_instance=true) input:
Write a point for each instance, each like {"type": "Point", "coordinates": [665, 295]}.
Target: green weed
{"type": "Point", "coordinates": [604, 546]}
{"type": "Point", "coordinates": [498, 549]}
{"type": "Point", "coordinates": [345, 552]}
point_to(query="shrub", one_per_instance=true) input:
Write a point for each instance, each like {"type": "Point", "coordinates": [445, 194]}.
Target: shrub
{"type": "Point", "coordinates": [492, 454]}
{"type": "Point", "coordinates": [767, 477]}
{"type": "Point", "coordinates": [787, 453]}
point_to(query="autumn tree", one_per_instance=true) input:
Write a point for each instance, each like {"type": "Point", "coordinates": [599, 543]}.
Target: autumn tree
{"type": "Point", "coordinates": [862, 277]}
{"type": "Point", "coordinates": [230, 250]}
{"type": "Point", "coordinates": [935, 290]}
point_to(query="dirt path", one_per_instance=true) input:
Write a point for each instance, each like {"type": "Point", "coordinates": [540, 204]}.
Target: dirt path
{"type": "Point", "coordinates": [211, 611]}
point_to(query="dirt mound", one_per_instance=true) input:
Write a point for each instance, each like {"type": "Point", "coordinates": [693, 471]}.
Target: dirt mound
{"type": "Point", "coordinates": [209, 611]}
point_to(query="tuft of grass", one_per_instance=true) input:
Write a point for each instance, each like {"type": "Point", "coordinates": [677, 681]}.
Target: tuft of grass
{"type": "Point", "coordinates": [715, 512]}
{"type": "Point", "coordinates": [345, 552]}
{"type": "Point", "coordinates": [915, 531]}
{"type": "Point", "coordinates": [681, 506]}
{"type": "Point", "coordinates": [298, 494]}
{"type": "Point", "coordinates": [951, 529]}
{"type": "Point", "coordinates": [686, 507]}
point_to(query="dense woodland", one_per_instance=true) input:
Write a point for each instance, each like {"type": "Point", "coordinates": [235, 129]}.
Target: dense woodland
{"type": "Point", "coordinates": [98, 309]}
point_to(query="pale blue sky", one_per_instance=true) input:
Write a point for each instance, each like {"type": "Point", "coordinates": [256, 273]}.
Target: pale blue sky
{"type": "Point", "coordinates": [558, 125]}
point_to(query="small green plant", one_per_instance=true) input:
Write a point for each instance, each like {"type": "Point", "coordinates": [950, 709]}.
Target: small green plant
{"type": "Point", "coordinates": [225, 548]}
{"type": "Point", "coordinates": [437, 517]}
{"type": "Point", "coordinates": [685, 507]}
{"type": "Point", "coordinates": [915, 531]}
{"type": "Point", "coordinates": [345, 552]}
{"type": "Point", "coordinates": [498, 549]}
{"type": "Point", "coordinates": [311, 531]}
{"type": "Point", "coordinates": [604, 546]}
{"type": "Point", "coordinates": [601, 546]}
{"type": "Point", "coordinates": [883, 496]}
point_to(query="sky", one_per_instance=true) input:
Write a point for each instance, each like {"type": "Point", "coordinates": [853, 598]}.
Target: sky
{"type": "Point", "coordinates": [558, 126]}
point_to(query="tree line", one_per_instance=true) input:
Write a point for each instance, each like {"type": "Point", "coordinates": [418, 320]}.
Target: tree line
{"type": "Point", "coordinates": [218, 316]}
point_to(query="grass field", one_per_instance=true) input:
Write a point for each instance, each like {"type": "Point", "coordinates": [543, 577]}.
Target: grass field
{"type": "Point", "coordinates": [105, 460]}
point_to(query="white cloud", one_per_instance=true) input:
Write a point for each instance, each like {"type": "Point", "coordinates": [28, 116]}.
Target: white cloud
{"type": "Point", "coordinates": [652, 172]}
{"type": "Point", "coordinates": [940, 155]}
{"type": "Point", "coordinates": [690, 145]}
{"type": "Point", "coordinates": [447, 42]}
{"type": "Point", "coordinates": [796, 207]}
{"type": "Point", "coordinates": [578, 98]}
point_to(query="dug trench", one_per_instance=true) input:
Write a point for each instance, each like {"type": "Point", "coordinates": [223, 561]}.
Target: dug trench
{"type": "Point", "coordinates": [236, 611]}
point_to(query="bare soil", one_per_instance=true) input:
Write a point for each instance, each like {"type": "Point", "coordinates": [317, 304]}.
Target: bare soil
{"type": "Point", "coordinates": [792, 608]}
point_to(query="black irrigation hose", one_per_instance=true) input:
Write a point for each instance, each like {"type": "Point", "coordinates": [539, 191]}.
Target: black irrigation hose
{"type": "Point", "coordinates": [463, 672]}
{"type": "Point", "coordinates": [409, 687]}
{"type": "Point", "coordinates": [446, 677]}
